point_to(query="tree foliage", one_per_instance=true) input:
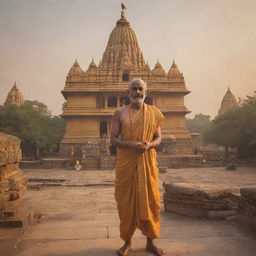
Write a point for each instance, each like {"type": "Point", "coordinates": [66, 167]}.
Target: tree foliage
{"type": "Point", "coordinates": [198, 123]}
{"type": "Point", "coordinates": [236, 128]}
{"type": "Point", "coordinates": [39, 131]}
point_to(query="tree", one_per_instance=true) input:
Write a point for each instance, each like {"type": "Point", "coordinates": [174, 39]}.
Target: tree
{"type": "Point", "coordinates": [198, 124]}
{"type": "Point", "coordinates": [236, 128]}
{"type": "Point", "coordinates": [39, 131]}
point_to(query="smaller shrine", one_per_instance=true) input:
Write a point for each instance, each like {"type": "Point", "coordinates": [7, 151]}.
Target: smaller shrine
{"type": "Point", "coordinates": [229, 101]}
{"type": "Point", "coordinates": [14, 97]}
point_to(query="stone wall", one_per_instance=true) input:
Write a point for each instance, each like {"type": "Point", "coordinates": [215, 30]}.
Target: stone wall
{"type": "Point", "coordinates": [95, 154]}
{"type": "Point", "coordinates": [13, 183]}
{"type": "Point", "coordinates": [246, 212]}
{"type": "Point", "coordinates": [175, 161]}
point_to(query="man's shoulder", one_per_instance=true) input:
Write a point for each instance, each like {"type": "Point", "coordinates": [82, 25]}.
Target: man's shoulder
{"type": "Point", "coordinates": [154, 108]}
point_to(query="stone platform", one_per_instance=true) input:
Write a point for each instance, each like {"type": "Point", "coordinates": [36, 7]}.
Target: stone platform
{"type": "Point", "coordinates": [201, 200]}
{"type": "Point", "coordinates": [246, 213]}
{"type": "Point", "coordinates": [107, 162]}
{"type": "Point", "coordinates": [76, 215]}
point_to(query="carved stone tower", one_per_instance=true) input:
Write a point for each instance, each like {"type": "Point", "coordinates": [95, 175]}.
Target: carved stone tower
{"type": "Point", "coordinates": [93, 95]}
{"type": "Point", "coordinates": [229, 101]}
{"type": "Point", "coordinates": [14, 97]}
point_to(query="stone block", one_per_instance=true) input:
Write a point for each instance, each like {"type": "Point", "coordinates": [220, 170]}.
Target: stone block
{"type": "Point", "coordinates": [246, 212]}
{"type": "Point", "coordinates": [207, 201]}
{"type": "Point", "coordinates": [16, 216]}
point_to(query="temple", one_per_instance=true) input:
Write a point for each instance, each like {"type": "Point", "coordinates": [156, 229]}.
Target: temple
{"type": "Point", "coordinates": [14, 97]}
{"type": "Point", "coordinates": [228, 102]}
{"type": "Point", "coordinates": [92, 97]}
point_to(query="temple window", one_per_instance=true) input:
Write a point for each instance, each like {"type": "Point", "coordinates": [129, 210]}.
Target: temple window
{"type": "Point", "coordinates": [125, 76]}
{"type": "Point", "coordinates": [124, 101]}
{"type": "Point", "coordinates": [149, 100]}
{"type": "Point", "coordinates": [112, 102]}
{"type": "Point", "coordinates": [103, 129]}
{"type": "Point", "coordinates": [100, 101]}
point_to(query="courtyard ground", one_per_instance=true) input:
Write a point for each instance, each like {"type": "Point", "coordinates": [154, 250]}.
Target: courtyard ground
{"type": "Point", "coordinates": [76, 215]}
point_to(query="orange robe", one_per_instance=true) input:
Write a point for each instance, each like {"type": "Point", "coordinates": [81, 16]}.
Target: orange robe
{"type": "Point", "coordinates": [136, 184]}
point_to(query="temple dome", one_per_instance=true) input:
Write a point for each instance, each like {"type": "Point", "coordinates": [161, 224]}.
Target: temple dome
{"type": "Point", "coordinates": [122, 50]}
{"type": "Point", "coordinates": [158, 69]}
{"type": "Point", "coordinates": [75, 69]}
{"type": "Point", "coordinates": [174, 71]}
{"type": "Point", "coordinates": [229, 101]}
{"type": "Point", "coordinates": [14, 96]}
{"type": "Point", "coordinates": [92, 67]}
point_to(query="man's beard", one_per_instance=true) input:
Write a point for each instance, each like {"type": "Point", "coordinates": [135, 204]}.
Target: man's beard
{"type": "Point", "coordinates": [137, 99]}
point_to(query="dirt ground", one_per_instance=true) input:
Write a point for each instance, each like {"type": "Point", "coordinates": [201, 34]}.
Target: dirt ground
{"type": "Point", "coordinates": [76, 215]}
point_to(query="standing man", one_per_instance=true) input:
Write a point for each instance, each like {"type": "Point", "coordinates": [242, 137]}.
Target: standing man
{"type": "Point", "coordinates": [136, 132]}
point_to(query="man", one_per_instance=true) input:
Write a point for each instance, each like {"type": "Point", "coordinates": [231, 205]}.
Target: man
{"type": "Point", "coordinates": [136, 132]}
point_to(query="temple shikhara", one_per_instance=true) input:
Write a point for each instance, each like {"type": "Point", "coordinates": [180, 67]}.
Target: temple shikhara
{"type": "Point", "coordinates": [228, 102]}
{"type": "Point", "coordinates": [92, 97]}
{"type": "Point", "coordinates": [14, 97]}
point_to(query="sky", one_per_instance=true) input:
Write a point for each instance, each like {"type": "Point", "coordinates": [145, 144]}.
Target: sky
{"type": "Point", "coordinates": [213, 43]}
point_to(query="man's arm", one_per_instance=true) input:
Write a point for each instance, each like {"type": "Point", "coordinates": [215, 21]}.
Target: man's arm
{"type": "Point", "coordinates": [156, 139]}
{"type": "Point", "coordinates": [115, 132]}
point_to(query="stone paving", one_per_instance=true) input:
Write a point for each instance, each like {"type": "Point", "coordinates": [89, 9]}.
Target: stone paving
{"type": "Point", "coordinates": [77, 216]}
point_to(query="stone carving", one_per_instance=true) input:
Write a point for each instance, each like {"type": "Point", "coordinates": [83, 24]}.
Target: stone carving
{"type": "Point", "coordinates": [13, 182]}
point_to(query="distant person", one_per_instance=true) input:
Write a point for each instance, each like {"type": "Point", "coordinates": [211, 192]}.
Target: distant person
{"type": "Point", "coordinates": [136, 132]}
{"type": "Point", "coordinates": [78, 166]}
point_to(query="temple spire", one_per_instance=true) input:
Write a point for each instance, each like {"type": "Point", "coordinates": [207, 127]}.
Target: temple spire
{"type": "Point", "coordinates": [229, 101]}
{"type": "Point", "coordinates": [14, 96]}
{"type": "Point", "coordinates": [123, 10]}
{"type": "Point", "coordinates": [14, 85]}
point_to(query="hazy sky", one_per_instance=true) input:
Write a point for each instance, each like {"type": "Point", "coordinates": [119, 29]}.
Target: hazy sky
{"type": "Point", "coordinates": [212, 41]}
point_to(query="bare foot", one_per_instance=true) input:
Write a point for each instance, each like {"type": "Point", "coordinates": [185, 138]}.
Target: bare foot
{"type": "Point", "coordinates": [152, 248]}
{"type": "Point", "coordinates": [125, 249]}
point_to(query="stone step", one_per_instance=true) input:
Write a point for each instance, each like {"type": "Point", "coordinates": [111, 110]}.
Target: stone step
{"type": "Point", "coordinates": [16, 217]}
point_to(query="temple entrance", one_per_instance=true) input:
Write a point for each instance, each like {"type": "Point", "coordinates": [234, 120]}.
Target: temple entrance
{"type": "Point", "coordinates": [112, 150]}
{"type": "Point", "coordinates": [103, 129]}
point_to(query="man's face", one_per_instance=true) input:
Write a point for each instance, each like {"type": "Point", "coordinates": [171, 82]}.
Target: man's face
{"type": "Point", "coordinates": [137, 92]}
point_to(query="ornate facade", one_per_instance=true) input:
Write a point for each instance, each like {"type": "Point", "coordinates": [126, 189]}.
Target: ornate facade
{"type": "Point", "coordinates": [93, 95]}
{"type": "Point", "coordinates": [14, 97]}
{"type": "Point", "coordinates": [229, 101]}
